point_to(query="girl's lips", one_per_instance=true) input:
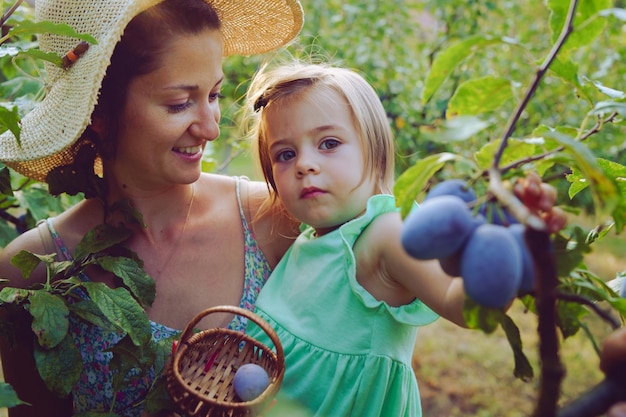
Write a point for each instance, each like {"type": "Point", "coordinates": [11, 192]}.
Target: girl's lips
{"type": "Point", "coordinates": [311, 192]}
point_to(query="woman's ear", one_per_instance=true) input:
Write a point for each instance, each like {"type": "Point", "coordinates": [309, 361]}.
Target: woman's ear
{"type": "Point", "coordinates": [97, 124]}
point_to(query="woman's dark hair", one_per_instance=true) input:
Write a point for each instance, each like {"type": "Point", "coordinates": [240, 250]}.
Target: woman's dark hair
{"type": "Point", "coordinates": [138, 53]}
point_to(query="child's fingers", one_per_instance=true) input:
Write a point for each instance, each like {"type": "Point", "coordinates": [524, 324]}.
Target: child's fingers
{"type": "Point", "coordinates": [547, 197]}
{"type": "Point", "coordinates": [555, 219]}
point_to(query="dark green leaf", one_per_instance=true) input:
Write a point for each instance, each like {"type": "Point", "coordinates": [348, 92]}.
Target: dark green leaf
{"type": "Point", "coordinates": [126, 357]}
{"type": "Point", "coordinates": [158, 398]}
{"type": "Point", "coordinates": [523, 369]}
{"type": "Point", "coordinates": [50, 322]}
{"type": "Point", "coordinates": [60, 367]}
{"type": "Point", "coordinates": [122, 310]}
{"type": "Point", "coordinates": [135, 278]}
{"type": "Point", "coordinates": [569, 316]}
{"type": "Point", "coordinates": [100, 238]}
{"type": "Point", "coordinates": [89, 311]}
{"type": "Point", "coordinates": [5, 181]}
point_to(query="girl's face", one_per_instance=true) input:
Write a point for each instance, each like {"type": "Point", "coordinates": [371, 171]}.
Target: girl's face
{"type": "Point", "coordinates": [317, 159]}
{"type": "Point", "coordinates": [171, 113]}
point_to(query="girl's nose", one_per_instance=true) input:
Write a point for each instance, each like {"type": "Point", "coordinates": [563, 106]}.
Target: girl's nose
{"type": "Point", "coordinates": [306, 165]}
{"type": "Point", "coordinates": [206, 123]}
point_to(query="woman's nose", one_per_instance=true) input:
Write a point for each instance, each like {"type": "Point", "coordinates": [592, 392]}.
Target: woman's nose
{"type": "Point", "coordinates": [206, 124]}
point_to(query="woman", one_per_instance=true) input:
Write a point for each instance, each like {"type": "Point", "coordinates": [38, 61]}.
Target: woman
{"type": "Point", "coordinates": [149, 120]}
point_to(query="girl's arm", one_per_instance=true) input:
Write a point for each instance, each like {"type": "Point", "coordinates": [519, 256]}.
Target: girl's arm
{"type": "Point", "coordinates": [391, 275]}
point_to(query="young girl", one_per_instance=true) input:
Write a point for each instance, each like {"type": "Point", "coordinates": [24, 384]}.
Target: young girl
{"type": "Point", "coordinates": [346, 300]}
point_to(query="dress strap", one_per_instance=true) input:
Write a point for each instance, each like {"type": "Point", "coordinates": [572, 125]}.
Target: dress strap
{"type": "Point", "coordinates": [46, 237]}
{"type": "Point", "coordinates": [240, 200]}
{"type": "Point", "coordinates": [51, 240]}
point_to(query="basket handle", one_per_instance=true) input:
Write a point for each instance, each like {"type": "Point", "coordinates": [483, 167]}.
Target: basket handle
{"type": "Point", "coordinates": [188, 332]}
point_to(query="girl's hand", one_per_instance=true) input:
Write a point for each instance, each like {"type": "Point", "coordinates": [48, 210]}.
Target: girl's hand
{"type": "Point", "coordinates": [540, 198]}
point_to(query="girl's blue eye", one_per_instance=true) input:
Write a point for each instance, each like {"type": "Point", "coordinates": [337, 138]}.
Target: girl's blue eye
{"type": "Point", "coordinates": [215, 96]}
{"type": "Point", "coordinates": [329, 144]}
{"type": "Point", "coordinates": [285, 155]}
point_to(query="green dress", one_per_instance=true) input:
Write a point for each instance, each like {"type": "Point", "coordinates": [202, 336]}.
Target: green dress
{"type": "Point", "coordinates": [346, 353]}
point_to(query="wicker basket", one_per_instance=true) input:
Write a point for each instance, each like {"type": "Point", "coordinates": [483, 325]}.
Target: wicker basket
{"type": "Point", "coordinates": [200, 372]}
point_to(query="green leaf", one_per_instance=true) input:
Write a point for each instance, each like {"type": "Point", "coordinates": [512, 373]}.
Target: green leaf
{"type": "Point", "coordinates": [414, 180]}
{"type": "Point", "coordinates": [96, 414]}
{"type": "Point", "coordinates": [10, 295]}
{"type": "Point", "coordinates": [8, 396]}
{"type": "Point", "coordinates": [28, 27]}
{"type": "Point", "coordinates": [43, 56]}
{"type": "Point", "coordinates": [479, 317]}
{"type": "Point", "coordinates": [10, 119]}
{"type": "Point", "coordinates": [523, 369]}
{"type": "Point", "coordinates": [617, 13]}
{"type": "Point", "coordinates": [457, 129]}
{"type": "Point", "coordinates": [5, 181]}
{"type": "Point", "coordinates": [60, 367]}
{"type": "Point", "coordinates": [479, 96]}
{"type": "Point", "coordinates": [158, 398]}
{"type": "Point", "coordinates": [445, 62]}
{"type": "Point", "coordinates": [50, 322]}
{"type": "Point", "coordinates": [135, 278]}
{"type": "Point", "coordinates": [89, 311]}
{"type": "Point", "coordinates": [569, 317]}
{"type": "Point", "coordinates": [603, 189]}
{"type": "Point", "coordinates": [586, 25]}
{"type": "Point", "coordinates": [126, 357]}
{"type": "Point", "coordinates": [567, 71]}
{"type": "Point", "coordinates": [100, 238]}
{"type": "Point", "coordinates": [604, 108]}
{"type": "Point", "coordinates": [122, 310]}
{"type": "Point", "coordinates": [26, 262]}
{"type": "Point", "coordinates": [515, 150]}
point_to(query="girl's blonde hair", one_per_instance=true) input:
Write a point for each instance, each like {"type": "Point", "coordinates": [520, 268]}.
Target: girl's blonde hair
{"type": "Point", "coordinates": [287, 81]}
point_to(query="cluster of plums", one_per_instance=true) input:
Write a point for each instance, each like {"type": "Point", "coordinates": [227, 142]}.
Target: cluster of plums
{"type": "Point", "coordinates": [484, 245]}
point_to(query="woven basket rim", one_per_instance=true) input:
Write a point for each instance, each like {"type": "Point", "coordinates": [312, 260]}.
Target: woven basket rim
{"type": "Point", "coordinates": [189, 338]}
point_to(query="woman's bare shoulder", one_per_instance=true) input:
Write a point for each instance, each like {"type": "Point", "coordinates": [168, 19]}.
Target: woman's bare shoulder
{"type": "Point", "coordinates": [73, 222]}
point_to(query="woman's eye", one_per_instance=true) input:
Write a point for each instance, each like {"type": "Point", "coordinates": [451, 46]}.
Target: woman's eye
{"type": "Point", "coordinates": [215, 96]}
{"type": "Point", "coordinates": [329, 144]}
{"type": "Point", "coordinates": [177, 108]}
{"type": "Point", "coordinates": [286, 155]}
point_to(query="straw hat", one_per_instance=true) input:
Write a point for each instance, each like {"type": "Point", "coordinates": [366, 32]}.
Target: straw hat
{"type": "Point", "coordinates": [55, 124]}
